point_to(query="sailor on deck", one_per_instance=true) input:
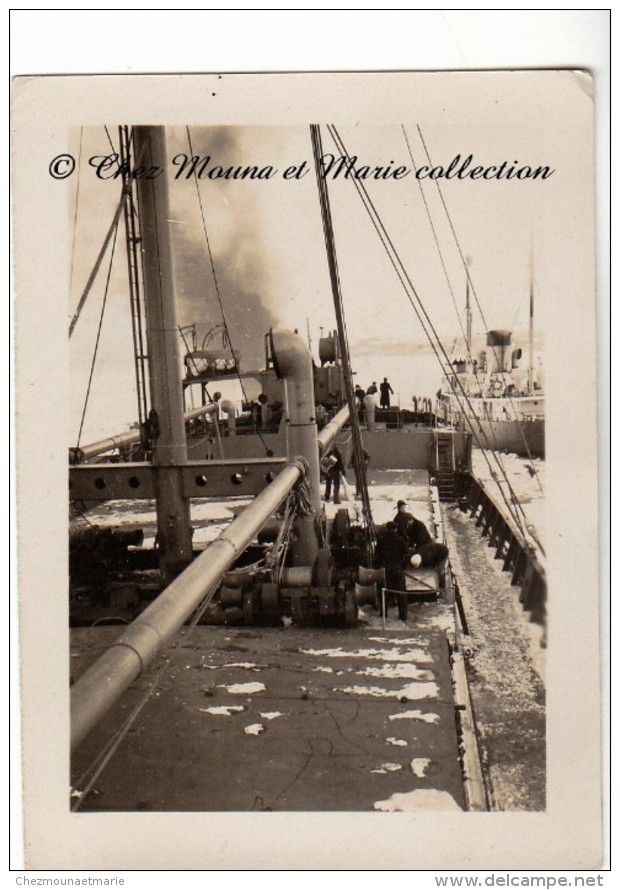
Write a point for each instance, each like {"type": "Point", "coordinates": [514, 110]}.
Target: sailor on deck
{"type": "Point", "coordinates": [426, 552]}
{"type": "Point", "coordinates": [402, 519]}
{"type": "Point", "coordinates": [391, 553]}
{"type": "Point", "coordinates": [386, 389]}
{"type": "Point", "coordinates": [334, 469]}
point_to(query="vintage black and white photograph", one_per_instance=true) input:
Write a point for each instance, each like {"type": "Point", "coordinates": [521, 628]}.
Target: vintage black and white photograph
{"type": "Point", "coordinates": [317, 449]}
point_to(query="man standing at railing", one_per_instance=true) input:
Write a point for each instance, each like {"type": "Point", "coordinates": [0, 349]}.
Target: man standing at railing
{"type": "Point", "coordinates": [385, 389]}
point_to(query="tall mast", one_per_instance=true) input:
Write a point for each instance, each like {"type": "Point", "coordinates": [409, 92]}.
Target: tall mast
{"type": "Point", "coordinates": [173, 521]}
{"type": "Point", "coordinates": [358, 450]}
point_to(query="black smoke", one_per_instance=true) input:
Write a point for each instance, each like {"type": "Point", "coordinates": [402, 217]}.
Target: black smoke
{"type": "Point", "coordinates": [232, 282]}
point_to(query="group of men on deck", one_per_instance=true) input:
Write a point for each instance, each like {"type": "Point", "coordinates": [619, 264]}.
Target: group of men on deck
{"type": "Point", "coordinates": [405, 540]}
{"type": "Point", "coordinates": [384, 389]}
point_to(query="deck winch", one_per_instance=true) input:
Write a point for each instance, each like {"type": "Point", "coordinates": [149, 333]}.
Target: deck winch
{"type": "Point", "coordinates": [314, 570]}
{"type": "Point", "coordinates": [307, 594]}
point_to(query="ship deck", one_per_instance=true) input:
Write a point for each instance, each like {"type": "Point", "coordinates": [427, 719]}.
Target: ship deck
{"type": "Point", "coordinates": [286, 718]}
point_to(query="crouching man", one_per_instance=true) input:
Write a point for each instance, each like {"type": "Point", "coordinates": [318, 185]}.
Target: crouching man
{"type": "Point", "coordinates": [423, 551]}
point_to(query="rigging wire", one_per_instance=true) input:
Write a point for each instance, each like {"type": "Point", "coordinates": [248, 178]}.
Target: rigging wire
{"type": "Point", "coordinates": [75, 214]}
{"type": "Point", "coordinates": [445, 271]}
{"type": "Point", "coordinates": [217, 287]}
{"type": "Point", "coordinates": [512, 503]}
{"type": "Point", "coordinates": [99, 763]}
{"type": "Point", "coordinates": [358, 451]}
{"type": "Point", "coordinates": [107, 132]}
{"type": "Point", "coordinates": [436, 239]}
{"type": "Point", "coordinates": [464, 263]}
{"type": "Point", "coordinates": [135, 273]}
{"type": "Point", "coordinates": [81, 513]}
{"type": "Point", "coordinates": [101, 760]}
{"type": "Point", "coordinates": [92, 366]}
{"type": "Point", "coordinates": [91, 278]}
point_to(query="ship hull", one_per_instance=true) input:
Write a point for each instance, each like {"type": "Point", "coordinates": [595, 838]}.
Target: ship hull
{"type": "Point", "coordinates": [525, 438]}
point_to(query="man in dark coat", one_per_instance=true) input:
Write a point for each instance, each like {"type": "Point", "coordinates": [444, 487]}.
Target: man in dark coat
{"type": "Point", "coordinates": [385, 389]}
{"type": "Point", "coordinates": [402, 519]}
{"type": "Point", "coordinates": [426, 552]}
{"type": "Point", "coordinates": [390, 553]}
{"type": "Point", "coordinates": [334, 470]}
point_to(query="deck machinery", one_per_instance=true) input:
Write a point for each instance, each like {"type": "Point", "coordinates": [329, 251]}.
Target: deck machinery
{"type": "Point", "coordinates": [314, 569]}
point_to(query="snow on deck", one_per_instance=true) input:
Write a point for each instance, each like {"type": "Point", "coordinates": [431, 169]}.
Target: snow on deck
{"type": "Point", "coordinates": [505, 667]}
{"type": "Point", "coordinates": [209, 517]}
{"type": "Point", "coordinates": [527, 478]}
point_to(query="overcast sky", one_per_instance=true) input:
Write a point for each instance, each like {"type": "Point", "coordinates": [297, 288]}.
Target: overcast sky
{"type": "Point", "coordinates": [268, 246]}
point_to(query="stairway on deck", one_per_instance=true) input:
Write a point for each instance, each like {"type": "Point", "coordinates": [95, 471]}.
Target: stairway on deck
{"type": "Point", "coordinates": [444, 453]}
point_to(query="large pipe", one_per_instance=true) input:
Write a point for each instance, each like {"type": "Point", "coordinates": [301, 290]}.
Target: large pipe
{"type": "Point", "coordinates": [229, 409]}
{"type": "Point", "coordinates": [331, 429]}
{"type": "Point", "coordinates": [106, 680]}
{"type": "Point", "coordinates": [101, 685]}
{"type": "Point", "coordinates": [369, 410]}
{"type": "Point", "coordinates": [132, 437]}
{"type": "Point", "coordinates": [293, 363]}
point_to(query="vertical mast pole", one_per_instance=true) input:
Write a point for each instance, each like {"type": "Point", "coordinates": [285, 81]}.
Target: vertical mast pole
{"type": "Point", "coordinates": [468, 320]}
{"type": "Point", "coordinates": [358, 450]}
{"type": "Point", "coordinates": [173, 520]}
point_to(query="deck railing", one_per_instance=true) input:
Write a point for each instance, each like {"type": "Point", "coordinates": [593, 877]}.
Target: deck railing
{"type": "Point", "coordinates": [521, 558]}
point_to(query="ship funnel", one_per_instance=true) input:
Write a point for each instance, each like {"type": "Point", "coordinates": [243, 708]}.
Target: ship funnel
{"type": "Point", "coordinates": [499, 341]}
{"type": "Point", "coordinates": [499, 338]}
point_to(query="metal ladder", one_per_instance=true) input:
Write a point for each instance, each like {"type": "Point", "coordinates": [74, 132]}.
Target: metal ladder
{"type": "Point", "coordinates": [445, 466]}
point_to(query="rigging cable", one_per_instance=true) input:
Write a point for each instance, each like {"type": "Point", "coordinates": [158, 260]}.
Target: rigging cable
{"type": "Point", "coordinates": [409, 290]}
{"type": "Point", "coordinates": [268, 451]}
{"type": "Point", "coordinates": [107, 132]}
{"type": "Point", "coordinates": [408, 286]}
{"type": "Point", "coordinates": [91, 278]}
{"type": "Point", "coordinates": [99, 763]}
{"type": "Point", "coordinates": [101, 760]}
{"type": "Point", "coordinates": [464, 263]}
{"type": "Point", "coordinates": [135, 272]}
{"type": "Point", "coordinates": [445, 271]}
{"type": "Point", "coordinates": [436, 239]}
{"type": "Point", "coordinates": [518, 507]}
{"type": "Point", "coordinates": [75, 214]}
{"type": "Point", "coordinates": [358, 451]}
{"type": "Point", "coordinates": [92, 366]}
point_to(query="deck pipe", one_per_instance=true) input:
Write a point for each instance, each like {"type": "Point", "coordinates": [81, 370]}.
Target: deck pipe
{"type": "Point", "coordinates": [103, 683]}
{"type": "Point", "coordinates": [331, 429]}
{"type": "Point", "coordinates": [133, 436]}
{"type": "Point", "coordinates": [293, 364]}
{"type": "Point", "coordinates": [369, 410]}
{"type": "Point", "coordinates": [229, 409]}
